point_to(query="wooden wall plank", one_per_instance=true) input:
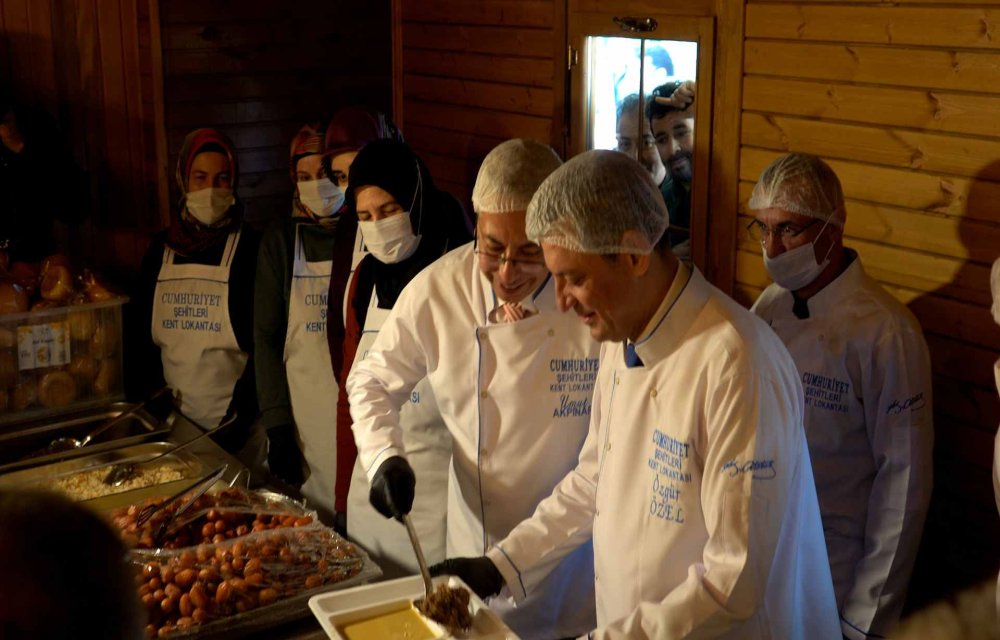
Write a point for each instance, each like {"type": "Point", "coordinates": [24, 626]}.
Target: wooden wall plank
{"type": "Point", "coordinates": [535, 43]}
{"type": "Point", "coordinates": [953, 236]}
{"type": "Point", "coordinates": [451, 143]}
{"type": "Point", "coordinates": [957, 155]}
{"type": "Point", "coordinates": [966, 27]}
{"type": "Point", "coordinates": [930, 110]}
{"type": "Point", "coordinates": [530, 13]}
{"type": "Point", "coordinates": [953, 69]}
{"type": "Point", "coordinates": [42, 59]}
{"type": "Point", "coordinates": [909, 189]}
{"type": "Point", "coordinates": [486, 95]}
{"type": "Point", "coordinates": [472, 66]}
{"type": "Point", "coordinates": [496, 124]}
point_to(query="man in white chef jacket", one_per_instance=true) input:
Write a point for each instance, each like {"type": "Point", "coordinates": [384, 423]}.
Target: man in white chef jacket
{"type": "Point", "coordinates": [695, 480]}
{"type": "Point", "coordinates": [512, 377]}
{"type": "Point", "coordinates": [866, 375]}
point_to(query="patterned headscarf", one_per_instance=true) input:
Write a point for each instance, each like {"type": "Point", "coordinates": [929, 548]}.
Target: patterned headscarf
{"type": "Point", "coordinates": [186, 235]}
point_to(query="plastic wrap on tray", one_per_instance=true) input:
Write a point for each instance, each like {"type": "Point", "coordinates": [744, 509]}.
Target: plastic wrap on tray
{"type": "Point", "coordinates": [213, 518]}
{"type": "Point", "coordinates": [184, 589]}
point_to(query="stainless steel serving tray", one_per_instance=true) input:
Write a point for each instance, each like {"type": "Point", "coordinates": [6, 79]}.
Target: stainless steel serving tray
{"type": "Point", "coordinates": [31, 437]}
{"type": "Point", "coordinates": [188, 464]}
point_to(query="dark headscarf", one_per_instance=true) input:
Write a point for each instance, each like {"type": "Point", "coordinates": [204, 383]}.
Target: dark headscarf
{"type": "Point", "coordinates": [434, 215]}
{"type": "Point", "coordinates": [186, 235]}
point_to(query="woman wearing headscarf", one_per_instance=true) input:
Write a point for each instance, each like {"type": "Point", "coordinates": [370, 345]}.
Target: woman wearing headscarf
{"type": "Point", "coordinates": [192, 317]}
{"type": "Point", "coordinates": [301, 257]}
{"type": "Point", "coordinates": [406, 224]}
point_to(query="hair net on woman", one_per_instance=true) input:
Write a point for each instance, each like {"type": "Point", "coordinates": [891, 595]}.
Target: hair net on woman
{"type": "Point", "coordinates": [800, 183]}
{"type": "Point", "coordinates": [589, 203]}
{"type": "Point", "coordinates": [510, 175]}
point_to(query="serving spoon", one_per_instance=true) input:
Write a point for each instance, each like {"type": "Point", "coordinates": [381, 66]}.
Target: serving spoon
{"type": "Point", "coordinates": [66, 443]}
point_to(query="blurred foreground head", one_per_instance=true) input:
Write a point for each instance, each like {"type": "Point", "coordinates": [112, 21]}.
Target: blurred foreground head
{"type": "Point", "coordinates": [64, 573]}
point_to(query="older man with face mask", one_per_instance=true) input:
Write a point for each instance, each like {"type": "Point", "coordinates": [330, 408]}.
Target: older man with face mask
{"type": "Point", "coordinates": [512, 378]}
{"type": "Point", "coordinates": [695, 481]}
{"type": "Point", "coordinates": [866, 374]}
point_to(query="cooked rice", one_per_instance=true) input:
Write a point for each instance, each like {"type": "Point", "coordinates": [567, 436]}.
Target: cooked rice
{"type": "Point", "coordinates": [88, 485]}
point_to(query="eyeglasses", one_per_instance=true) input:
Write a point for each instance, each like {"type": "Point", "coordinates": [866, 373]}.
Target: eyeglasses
{"type": "Point", "coordinates": [493, 261]}
{"type": "Point", "coordinates": [784, 231]}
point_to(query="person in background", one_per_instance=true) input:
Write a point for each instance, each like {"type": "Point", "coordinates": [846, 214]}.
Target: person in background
{"type": "Point", "coordinates": [512, 379]}
{"type": "Point", "coordinates": [190, 322]}
{"type": "Point", "coordinates": [32, 153]}
{"type": "Point", "coordinates": [407, 224]}
{"type": "Point", "coordinates": [64, 574]}
{"type": "Point", "coordinates": [632, 140]}
{"type": "Point", "coordinates": [866, 373]}
{"type": "Point", "coordinates": [671, 118]}
{"type": "Point", "coordinates": [694, 481]}
{"type": "Point", "coordinates": [301, 258]}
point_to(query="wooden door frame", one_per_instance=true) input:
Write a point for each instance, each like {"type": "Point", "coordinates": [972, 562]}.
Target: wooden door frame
{"type": "Point", "coordinates": [720, 219]}
{"type": "Point", "coordinates": [699, 29]}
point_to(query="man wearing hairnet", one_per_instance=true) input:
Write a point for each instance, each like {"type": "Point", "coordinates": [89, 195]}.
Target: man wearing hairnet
{"type": "Point", "coordinates": [866, 375]}
{"type": "Point", "coordinates": [512, 378]}
{"type": "Point", "coordinates": [695, 480]}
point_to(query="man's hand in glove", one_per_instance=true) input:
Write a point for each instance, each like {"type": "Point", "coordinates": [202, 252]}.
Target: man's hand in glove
{"type": "Point", "coordinates": [392, 488]}
{"type": "Point", "coordinates": [479, 573]}
{"type": "Point", "coordinates": [284, 458]}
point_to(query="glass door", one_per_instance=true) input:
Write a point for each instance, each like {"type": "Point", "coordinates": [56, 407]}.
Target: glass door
{"type": "Point", "coordinates": [634, 87]}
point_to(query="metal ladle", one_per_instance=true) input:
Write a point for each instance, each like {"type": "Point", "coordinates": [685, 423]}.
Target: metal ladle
{"type": "Point", "coordinates": [122, 471]}
{"type": "Point", "coordinates": [60, 445]}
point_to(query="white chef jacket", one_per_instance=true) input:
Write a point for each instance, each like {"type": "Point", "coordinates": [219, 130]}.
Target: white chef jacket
{"type": "Point", "coordinates": [696, 485]}
{"type": "Point", "coordinates": [516, 399]}
{"type": "Point", "coordinates": [866, 374]}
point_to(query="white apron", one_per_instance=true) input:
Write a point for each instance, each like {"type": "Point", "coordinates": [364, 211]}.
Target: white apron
{"type": "Point", "coordinates": [312, 388]}
{"type": "Point", "coordinates": [428, 450]}
{"type": "Point", "coordinates": [192, 328]}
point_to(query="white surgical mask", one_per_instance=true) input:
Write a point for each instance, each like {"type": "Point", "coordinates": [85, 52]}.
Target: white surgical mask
{"type": "Point", "coordinates": [322, 197]}
{"type": "Point", "coordinates": [796, 267]}
{"type": "Point", "coordinates": [208, 206]}
{"type": "Point", "coordinates": [391, 239]}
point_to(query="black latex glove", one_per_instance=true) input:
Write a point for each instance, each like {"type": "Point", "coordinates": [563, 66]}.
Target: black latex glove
{"type": "Point", "coordinates": [284, 458]}
{"type": "Point", "coordinates": [392, 488]}
{"type": "Point", "coordinates": [480, 574]}
{"type": "Point", "coordinates": [340, 523]}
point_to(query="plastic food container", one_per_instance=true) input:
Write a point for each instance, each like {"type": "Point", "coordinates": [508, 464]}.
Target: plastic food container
{"type": "Point", "coordinates": [53, 361]}
{"type": "Point", "coordinates": [338, 610]}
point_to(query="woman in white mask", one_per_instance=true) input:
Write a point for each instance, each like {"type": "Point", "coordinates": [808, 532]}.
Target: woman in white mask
{"type": "Point", "coordinates": [190, 324]}
{"type": "Point", "coordinates": [406, 224]}
{"type": "Point", "coordinates": [301, 257]}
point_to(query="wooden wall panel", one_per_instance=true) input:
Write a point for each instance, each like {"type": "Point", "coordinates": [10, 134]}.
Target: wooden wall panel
{"type": "Point", "coordinates": [475, 73]}
{"type": "Point", "coordinates": [901, 100]}
{"type": "Point", "coordinates": [87, 64]}
{"type": "Point", "coordinates": [258, 71]}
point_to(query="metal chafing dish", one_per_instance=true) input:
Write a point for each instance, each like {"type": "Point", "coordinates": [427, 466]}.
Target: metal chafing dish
{"type": "Point", "coordinates": [25, 439]}
{"type": "Point", "coordinates": [183, 463]}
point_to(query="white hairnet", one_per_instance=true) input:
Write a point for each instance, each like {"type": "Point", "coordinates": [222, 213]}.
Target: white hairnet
{"type": "Point", "coordinates": [510, 174]}
{"type": "Point", "coordinates": [589, 203]}
{"type": "Point", "coordinates": [800, 183]}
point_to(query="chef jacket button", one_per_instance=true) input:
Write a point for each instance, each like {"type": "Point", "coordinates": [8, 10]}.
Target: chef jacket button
{"type": "Point", "coordinates": [652, 392]}
{"type": "Point", "coordinates": [483, 394]}
{"type": "Point", "coordinates": [608, 448]}
{"type": "Point", "coordinates": [552, 332]}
